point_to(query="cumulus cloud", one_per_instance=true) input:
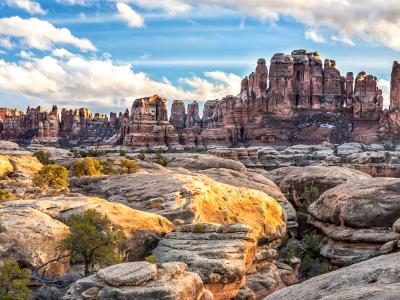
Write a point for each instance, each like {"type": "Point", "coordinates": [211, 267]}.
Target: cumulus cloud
{"type": "Point", "coordinates": [314, 35]}
{"type": "Point", "coordinates": [384, 85]}
{"type": "Point", "coordinates": [31, 7]}
{"type": "Point", "coordinates": [76, 2]}
{"type": "Point", "coordinates": [130, 16]}
{"type": "Point", "coordinates": [101, 82]}
{"type": "Point", "coordinates": [41, 34]}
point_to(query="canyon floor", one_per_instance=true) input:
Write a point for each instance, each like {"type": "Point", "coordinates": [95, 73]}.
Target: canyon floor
{"type": "Point", "coordinates": [298, 222]}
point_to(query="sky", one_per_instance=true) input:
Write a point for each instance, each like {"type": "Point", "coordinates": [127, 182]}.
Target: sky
{"type": "Point", "coordinates": [103, 54]}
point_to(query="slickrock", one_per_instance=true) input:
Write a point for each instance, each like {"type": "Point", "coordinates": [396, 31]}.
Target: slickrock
{"type": "Point", "coordinates": [376, 278]}
{"type": "Point", "coordinates": [5, 166]}
{"type": "Point", "coordinates": [140, 281]}
{"type": "Point", "coordinates": [357, 218]}
{"type": "Point", "coordinates": [300, 180]}
{"type": "Point", "coordinates": [192, 198]}
{"type": "Point", "coordinates": [40, 221]}
{"type": "Point", "coordinates": [31, 237]}
{"type": "Point", "coordinates": [220, 254]}
{"type": "Point", "coordinates": [253, 180]}
{"type": "Point", "coordinates": [23, 165]}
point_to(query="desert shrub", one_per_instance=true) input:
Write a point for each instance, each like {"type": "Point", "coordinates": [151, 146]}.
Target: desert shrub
{"type": "Point", "coordinates": [109, 167]}
{"type": "Point", "coordinates": [307, 263]}
{"type": "Point", "coordinates": [311, 195]}
{"type": "Point", "coordinates": [324, 269]}
{"type": "Point", "coordinates": [387, 156]}
{"type": "Point", "coordinates": [142, 155]}
{"type": "Point", "coordinates": [91, 153]}
{"type": "Point", "coordinates": [6, 196]}
{"type": "Point", "coordinates": [291, 250]}
{"type": "Point", "coordinates": [128, 166]}
{"type": "Point", "coordinates": [313, 242]}
{"type": "Point", "coordinates": [92, 240]}
{"type": "Point", "coordinates": [13, 281]}
{"type": "Point", "coordinates": [87, 166]}
{"type": "Point", "coordinates": [122, 152]}
{"type": "Point", "coordinates": [51, 175]}
{"type": "Point", "coordinates": [199, 228]}
{"type": "Point", "coordinates": [151, 259]}
{"type": "Point", "coordinates": [161, 160]}
{"type": "Point", "coordinates": [43, 156]}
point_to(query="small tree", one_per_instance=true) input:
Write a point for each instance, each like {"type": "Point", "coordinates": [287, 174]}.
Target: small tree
{"type": "Point", "coordinates": [128, 166]}
{"type": "Point", "coordinates": [92, 241]}
{"type": "Point", "coordinates": [54, 176]}
{"type": "Point", "coordinates": [43, 156]}
{"type": "Point", "coordinates": [142, 155]}
{"type": "Point", "coordinates": [13, 281]}
{"type": "Point", "coordinates": [87, 166]}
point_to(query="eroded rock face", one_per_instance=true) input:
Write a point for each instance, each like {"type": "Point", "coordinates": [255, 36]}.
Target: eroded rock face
{"type": "Point", "coordinates": [377, 278]}
{"type": "Point", "coordinates": [41, 221]}
{"type": "Point", "coordinates": [140, 280]}
{"type": "Point", "coordinates": [220, 254]}
{"type": "Point", "coordinates": [357, 218]}
{"type": "Point", "coordinates": [300, 180]}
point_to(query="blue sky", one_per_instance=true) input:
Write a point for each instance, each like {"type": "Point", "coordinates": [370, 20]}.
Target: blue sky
{"type": "Point", "coordinates": [116, 51]}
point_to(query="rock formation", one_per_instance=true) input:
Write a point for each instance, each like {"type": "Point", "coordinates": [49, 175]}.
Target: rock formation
{"type": "Point", "coordinates": [377, 278]}
{"type": "Point", "coordinates": [299, 99]}
{"type": "Point", "coordinates": [357, 219]}
{"type": "Point", "coordinates": [140, 281]}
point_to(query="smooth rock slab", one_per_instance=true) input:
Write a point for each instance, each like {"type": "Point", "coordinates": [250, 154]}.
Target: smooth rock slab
{"type": "Point", "coordinates": [376, 278]}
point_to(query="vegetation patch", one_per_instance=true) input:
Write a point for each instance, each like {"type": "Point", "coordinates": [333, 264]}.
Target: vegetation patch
{"type": "Point", "coordinates": [51, 176]}
{"type": "Point", "coordinates": [13, 281]}
{"type": "Point", "coordinates": [87, 166]}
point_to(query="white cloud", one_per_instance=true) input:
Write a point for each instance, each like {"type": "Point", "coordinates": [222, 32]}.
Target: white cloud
{"type": "Point", "coordinates": [31, 7]}
{"type": "Point", "coordinates": [102, 83]}
{"type": "Point", "coordinates": [172, 7]}
{"type": "Point", "coordinates": [130, 16]}
{"type": "Point", "coordinates": [369, 20]}
{"type": "Point", "coordinates": [61, 53]}
{"type": "Point", "coordinates": [41, 34]}
{"type": "Point", "coordinates": [76, 2]}
{"type": "Point", "coordinates": [343, 39]}
{"type": "Point", "coordinates": [6, 43]}
{"type": "Point", "coordinates": [384, 85]}
{"type": "Point", "coordinates": [221, 84]}
{"type": "Point", "coordinates": [314, 35]}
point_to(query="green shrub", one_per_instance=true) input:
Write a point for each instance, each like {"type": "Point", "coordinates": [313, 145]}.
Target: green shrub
{"type": "Point", "coordinates": [142, 155]}
{"type": "Point", "coordinates": [43, 157]}
{"type": "Point", "coordinates": [91, 153]}
{"type": "Point", "coordinates": [291, 250]}
{"type": "Point", "coordinates": [128, 166]}
{"type": "Point", "coordinates": [387, 156]}
{"type": "Point", "coordinates": [313, 242]}
{"type": "Point", "coordinates": [13, 281]}
{"type": "Point", "coordinates": [161, 160]}
{"type": "Point", "coordinates": [54, 176]}
{"type": "Point", "coordinates": [6, 196]}
{"type": "Point", "coordinates": [92, 240]}
{"type": "Point", "coordinates": [109, 167]}
{"type": "Point", "coordinates": [311, 195]}
{"type": "Point", "coordinates": [122, 152]}
{"type": "Point", "coordinates": [87, 166]}
{"type": "Point", "coordinates": [151, 259]}
{"type": "Point", "coordinates": [307, 263]}
{"type": "Point", "coordinates": [199, 228]}
{"type": "Point", "coordinates": [324, 269]}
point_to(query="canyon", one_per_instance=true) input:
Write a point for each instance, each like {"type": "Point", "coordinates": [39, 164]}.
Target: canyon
{"type": "Point", "coordinates": [299, 99]}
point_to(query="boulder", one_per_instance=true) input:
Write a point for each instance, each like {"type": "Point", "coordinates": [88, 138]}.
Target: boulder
{"type": "Point", "coordinates": [41, 221]}
{"type": "Point", "coordinates": [349, 148]}
{"type": "Point", "coordinates": [376, 278]}
{"type": "Point", "coordinates": [188, 197]}
{"type": "Point", "coordinates": [140, 281]}
{"type": "Point", "coordinates": [253, 180]}
{"type": "Point", "coordinates": [25, 165]}
{"type": "Point", "coordinates": [220, 254]}
{"type": "Point", "coordinates": [7, 145]}
{"type": "Point", "coordinates": [358, 218]}
{"type": "Point", "coordinates": [300, 180]}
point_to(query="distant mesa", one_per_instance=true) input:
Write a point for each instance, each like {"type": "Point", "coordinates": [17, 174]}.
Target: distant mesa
{"type": "Point", "coordinates": [298, 99]}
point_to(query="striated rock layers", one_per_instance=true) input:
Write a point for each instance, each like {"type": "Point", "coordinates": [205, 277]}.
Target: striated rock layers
{"type": "Point", "coordinates": [358, 219]}
{"type": "Point", "coordinates": [299, 99]}
{"type": "Point", "coordinates": [140, 281]}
